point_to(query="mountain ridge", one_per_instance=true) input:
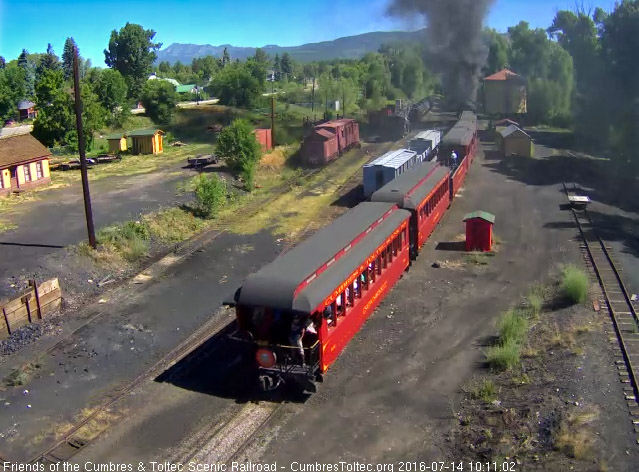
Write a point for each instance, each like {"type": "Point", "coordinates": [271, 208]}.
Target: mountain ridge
{"type": "Point", "coordinates": [347, 47]}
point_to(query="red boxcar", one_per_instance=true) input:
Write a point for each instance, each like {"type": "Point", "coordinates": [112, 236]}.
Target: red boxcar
{"type": "Point", "coordinates": [319, 148]}
{"type": "Point", "coordinates": [265, 138]}
{"type": "Point", "coordinates": [333, 281]}
{"type": "Point", "coordinates": [424, 191]}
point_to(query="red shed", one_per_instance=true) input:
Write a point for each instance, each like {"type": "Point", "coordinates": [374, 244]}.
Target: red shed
{"type": "Point", "coordinates": [265, 138]}
{"type": "Point", "coordinates": [479, 231]}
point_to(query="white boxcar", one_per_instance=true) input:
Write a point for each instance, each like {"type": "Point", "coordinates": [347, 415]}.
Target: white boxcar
{"type": "Point", "coordinates": [426, 144]}
{"type": "Point", "coordinates": [385, 168]}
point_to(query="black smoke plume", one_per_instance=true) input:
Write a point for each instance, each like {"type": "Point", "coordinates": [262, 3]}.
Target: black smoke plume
{"type": "Point", "coordinates": [456, 47]}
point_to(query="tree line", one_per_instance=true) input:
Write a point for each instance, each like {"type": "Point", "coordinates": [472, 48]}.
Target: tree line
{"type": "Point", "coordinates": [582, 73]}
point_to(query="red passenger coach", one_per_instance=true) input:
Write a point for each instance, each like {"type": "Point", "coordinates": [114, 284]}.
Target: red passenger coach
{"type": "Point", "coordinates": [462, 139]}
{"type": "Point", "coordinates": [328, 285]}
{"type": "Point", "coordinates": [425, 192]}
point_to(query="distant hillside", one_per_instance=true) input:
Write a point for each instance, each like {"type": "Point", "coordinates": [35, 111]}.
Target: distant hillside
{"type": "Point", "coordinates": [350, 47]}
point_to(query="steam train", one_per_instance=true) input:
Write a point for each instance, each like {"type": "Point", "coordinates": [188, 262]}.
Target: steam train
{"type": "Point", "coordinates": [300, 311]}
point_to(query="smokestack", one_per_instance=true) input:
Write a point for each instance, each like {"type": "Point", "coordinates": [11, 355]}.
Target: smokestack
{"type": "Point", "coordinates": [455, 42]}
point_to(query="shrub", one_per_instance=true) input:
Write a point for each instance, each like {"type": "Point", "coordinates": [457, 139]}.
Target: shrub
{"type": "Point", "coordinates": [512, 327]}
{"type": "Point", "coordinates": [574, 284]}
{"type": "Point", "coordinates": [237, 144]}
{"type": "Point", "coordinates": [503, 356]}
{"type": "Point", "coordinates": [210, 193]}
{"type": "Point", "coordinates": [173, 224]}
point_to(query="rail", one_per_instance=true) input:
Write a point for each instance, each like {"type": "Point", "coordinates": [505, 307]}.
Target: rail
{"type": "Point", "coordinates": [622, 311]}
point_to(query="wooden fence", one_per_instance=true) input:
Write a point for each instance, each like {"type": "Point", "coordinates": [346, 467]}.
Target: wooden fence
{"type": "Point", "coordinates": [30, 305]}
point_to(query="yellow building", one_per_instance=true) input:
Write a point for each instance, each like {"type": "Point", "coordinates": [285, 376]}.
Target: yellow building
{"type": "Point", "coordinates": [505, 94]}
{"type": "Point", "coordinates": [117, 143]}
{"type": "Point", "coordinates": [147, 141]}
{"type": "Point", "coordinates": [24, 164]}
{"type": "Point", "coordinates": [516, 142]}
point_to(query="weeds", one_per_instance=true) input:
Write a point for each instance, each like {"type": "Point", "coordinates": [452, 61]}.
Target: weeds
{"type": "Point", "coordinates": [484, 390]}
{"type": "Point", "coordinates": [573, 437]}
{"type": "Point", "coordinates": [130, 240]}
{"type": "Point", "coordinates": [504, 356]}
{"type": "Point", "coordinates": [574, 284]}
{"type": "Point", "coordinates": [173, 225]}
{"type": "Point", "coordinates": [21, 376]}
{"type": "Point", "coordinates": [210, 192]}
{"type": "Point", "coordinates": [513, 326]}
{"type": "Point", "coordinates": [478, 258]}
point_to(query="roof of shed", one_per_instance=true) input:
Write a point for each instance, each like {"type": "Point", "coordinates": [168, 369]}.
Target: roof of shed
{"type": "Point", "coordinates": [484, 215]}
{"type": "Point", "coordinates": [25, 104]}
{"type": "Point", "coordinates": [393, 159]}
{"type": "Point", "coordinates": [144, 132]}
{"type": "Point", "coordinates": [21, 148]}
{"type": "Point", "coordinates": [115, 136]}
{"type": "Point", "coordinates": [410, 188]}
{"type": "Point", "coordinates": [274, 285]}
{"type": "Point", "coordinates": [514, 131]}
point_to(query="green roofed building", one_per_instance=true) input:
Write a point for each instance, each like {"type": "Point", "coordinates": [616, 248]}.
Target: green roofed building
{"type": "Point", "coordinates": [190, 88]}
{"type": "Point", "coordinates": [117, 143]}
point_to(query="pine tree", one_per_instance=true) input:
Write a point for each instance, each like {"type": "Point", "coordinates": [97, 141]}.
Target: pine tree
{"type": "Point", "coordinates": [226, 58]}
{"type": "Point", "coordinates": [67, 58]}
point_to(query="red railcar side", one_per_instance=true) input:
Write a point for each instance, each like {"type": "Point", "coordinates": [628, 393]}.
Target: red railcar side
{"type": "Point", "coordinates": [432, 209]}
{"type": "Point", "coordinates": [389, 262]}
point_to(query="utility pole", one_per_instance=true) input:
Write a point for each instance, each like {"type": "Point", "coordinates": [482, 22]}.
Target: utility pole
{"type": "Point", "coordinates": [343, 102]}
{"type": "Point", "coordinates": [273, 120]}
{"type": "Point", "coordinates": [313, 96]}
{"type": "Point", "coordinates": [83, 160]}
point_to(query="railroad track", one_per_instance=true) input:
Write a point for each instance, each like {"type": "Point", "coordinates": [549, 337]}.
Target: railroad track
{"type": "Point", "coordinates": [617, 300]}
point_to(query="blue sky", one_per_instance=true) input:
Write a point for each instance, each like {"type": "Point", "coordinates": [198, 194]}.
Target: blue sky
{"type": "Point", "coordinates": [32, 24]}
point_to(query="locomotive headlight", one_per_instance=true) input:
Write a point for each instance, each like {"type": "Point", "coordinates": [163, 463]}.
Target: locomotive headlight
{"type": "Point", "coordinates": [265, 358]}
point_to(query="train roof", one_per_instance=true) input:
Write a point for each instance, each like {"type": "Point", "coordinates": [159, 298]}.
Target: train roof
{"type": "Point", "coordinates": [324, 133]}
{"type": "Point", "coordinates": [336, 123]}
{"type": "Point", "coordinates": [393, 159]}
{"type": "Point", "coordinates": [411, 188]}
{"type": "Point", "coordinates": [429, 135]}
{"type": "Point", "coordinates": [459, 135]}
{"type": "Point", "coordinates": [296, 281]}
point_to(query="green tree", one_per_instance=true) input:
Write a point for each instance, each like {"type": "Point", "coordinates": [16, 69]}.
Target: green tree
{"type": "Point", "coordinates": [237, 144]}
{"type": "Point", "coordinates": [497, 52]}
{"type": "Point", "coordinates": [67, 58]}
{"type": "Point", "coordinates": [55, 117]}
{"type": "Point", "coordinates": [159, 99]}
{"type": "Point", "coordinates": [619, 42]}
{"type": "Point", "coordinates": [205, 68]}
{"type": "Point", "coordinates": [277, 67]}
{"type": "Point", "coordinates": [111, 91]}
{"type": "Point", "coordinates": [286, 66]}
{"type": "Point", "coordinates": [132, 52]}
{"type": "Point", "coordinates": [235, 85]}
{"type": "Point", "coordinates": [28, 67]}
{"type": "Point", "coordinates": [48, 61]}
{"type": "Point", "coordinates": [261, 57]}
{"type": "Point", "coordinates": [3, 62]}
{"type": "Point", "coordinates": [226, 58]}
{"type": "Point", "coordinates": [12, 90]}
{"type": "Point", "coordinates": [165, 68]}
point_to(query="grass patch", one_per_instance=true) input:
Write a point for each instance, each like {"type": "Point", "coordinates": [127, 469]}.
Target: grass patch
{"type": "Point", "coordinates": [574, 284]}
{"type": "Point", "coordinates": [173, 225]}
{"type": "Point", "coordinates": [479, 258]}
{"type": "Point", "coordinates": [513, 326]}
{"type": "Point", "coordinates": [483, 389]}
{"type": "Point", "coordinates": [504, 356]}
{"type": "Point", "coordinates": [573, 437]}
{"type": "Point", "coordinates": [21, 376]}
{"type": "Point", "coordinates": [128, 240]}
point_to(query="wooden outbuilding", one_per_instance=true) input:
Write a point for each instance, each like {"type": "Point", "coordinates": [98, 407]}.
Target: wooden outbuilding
{"type": "Point", "coordinates": [505, 94]}
{"type": "Point", "coordinates": [516, 142]}
{"type": "Point", "coordinates": [147, 141]}
{"type": "Point", "coordinates": [24, 163]}
{"type": "Point", "coordinates": [117, 143]}
{"type": "Point", "coordinates": [479, 231]}
{"type": "Point", "coordinates": [27, 110]}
